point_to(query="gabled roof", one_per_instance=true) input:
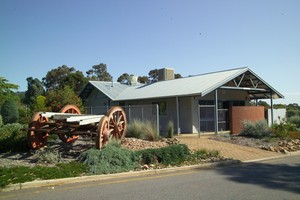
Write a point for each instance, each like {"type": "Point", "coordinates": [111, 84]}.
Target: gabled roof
{"type": "Point", "coordinates": [198, 85]}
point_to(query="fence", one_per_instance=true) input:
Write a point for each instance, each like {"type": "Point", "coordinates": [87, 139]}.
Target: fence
{"type": "Point", "coordinates": [133, 112]}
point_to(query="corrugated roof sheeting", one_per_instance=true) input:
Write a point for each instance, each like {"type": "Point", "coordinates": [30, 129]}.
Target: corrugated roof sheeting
{"type": "Point", "coordinates": [188, 86]}
{"type": "Point", "coordinates": [193, 85]}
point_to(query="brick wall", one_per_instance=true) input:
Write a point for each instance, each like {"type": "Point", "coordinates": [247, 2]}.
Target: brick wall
{"type": "Point", "coordinates": [238, 114]}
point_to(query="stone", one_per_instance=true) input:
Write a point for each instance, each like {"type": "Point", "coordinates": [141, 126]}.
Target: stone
{"type": "Point", "coordinates": [145, 167]}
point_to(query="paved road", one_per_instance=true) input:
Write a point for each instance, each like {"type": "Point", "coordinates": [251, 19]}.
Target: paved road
{"type": "Point", "coordinates": [273, 179]}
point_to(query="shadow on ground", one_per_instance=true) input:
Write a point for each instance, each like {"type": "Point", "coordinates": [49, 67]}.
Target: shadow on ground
{"type": "Point", "coordinates": [281, 176]}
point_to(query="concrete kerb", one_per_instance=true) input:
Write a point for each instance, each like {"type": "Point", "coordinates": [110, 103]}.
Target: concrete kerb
{"type": "Point", "coordinates": [56, 182]}
{"type": "Point", "coordinates": [296, 153]}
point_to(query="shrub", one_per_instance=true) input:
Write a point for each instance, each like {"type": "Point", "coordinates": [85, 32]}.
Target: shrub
{"type": "Point", "coordinates": [12, 138]}
{"type": "Point", "coordinates": [170, 155]}
{"type": "Point", "coordinates": [295, 120]}
{"type": "Point", "coordinates": [1, 121]}
{"type": "Point", "coordinates": [111, 159]}
{"type": "Point", "coordinates": [135, 129]}
{"type": "Point", "coordinates": [282, 129]}
{"type": "Point", "coordinates": [291, 113]}
{"type": "Point", "coordinates": [258, 129]}
{"type": "Point", "coordinates": [204, 154]}
{"type": "Point", "coordinates": [47, 155]}
{"type": "Point", "coordinates": [142, 130]}
{"type": "Point", "coordinates": [9, 112]}
{"type": "Point", "coordinates": [170, 129]}
{"type": "Point", "coordinates": [150, 131]}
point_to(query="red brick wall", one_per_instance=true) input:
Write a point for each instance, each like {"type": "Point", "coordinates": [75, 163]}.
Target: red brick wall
{"type": "Point", "coordinates": [238, 114]}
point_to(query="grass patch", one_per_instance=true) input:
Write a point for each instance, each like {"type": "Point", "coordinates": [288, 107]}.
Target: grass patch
{"type": "Point", "coordinates": [142, 130]}
{"type": "Point", "coordinates": [21, 174]}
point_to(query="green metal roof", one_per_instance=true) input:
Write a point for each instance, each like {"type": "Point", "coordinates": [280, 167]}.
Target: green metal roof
{"type": "Point", "coordinates": [198, 85]}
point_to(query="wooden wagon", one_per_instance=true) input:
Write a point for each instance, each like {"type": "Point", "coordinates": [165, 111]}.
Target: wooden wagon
{"type": "Point", "coordinates": [69, 124]}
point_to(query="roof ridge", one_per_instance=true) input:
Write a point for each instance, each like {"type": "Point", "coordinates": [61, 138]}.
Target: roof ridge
{"type": "Point", "coordinates": [239, 68]}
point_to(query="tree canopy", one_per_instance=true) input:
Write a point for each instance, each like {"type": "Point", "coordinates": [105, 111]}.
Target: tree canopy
{"type": "Point", "coordinates": [9, 111]}
{"type": "Point", "coordinates": [6, 89]}
{"type": "Point", "coordinates": [54, 78]}
{"type": "Point", "coordinates": [123, 77]}
{"type": "Point", "coordinates": [99, 73]}
{"type": "Point", "coordinates": [62, 76]}
{"type": "Point", "coordinates": [56, 99]}
{"type": "Point", "coordinates": [34, 88]}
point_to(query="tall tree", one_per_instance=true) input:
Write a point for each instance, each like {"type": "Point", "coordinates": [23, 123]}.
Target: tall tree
{"type": "Point", "coordinates": [143, 79]}
{"type": "Point", "coordinates": [6, 89]}
{"type": "Point", "coordinates": [123, 77]}
{"type": "Point", "coordinates": [34, 89]}
{"type": "Point", "coordinates": [153, 75]}
{"type": "Point", "coordinates": [75, 80]}
{"type": "Point", "coordinates": [177, 76]}
{"type": "Point", "coordinates": [99, 73]}
{"type": "Point", "coordinates": [54, 78]}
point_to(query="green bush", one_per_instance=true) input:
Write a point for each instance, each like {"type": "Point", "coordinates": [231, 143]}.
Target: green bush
{"type": "Point", "coordinates": [291, 112]}
{"type": "Point", "coordinates": [9, 112]}
{"type": "Point", "coordinates": [12, 138]}
{"type": "Point", "coordinates": [170, 129]}
{"type": "Point", "coordinates": [295, 120]}
{"type": "Point", "coordinates": [111, 159]}
{"type": "Point", "coordinates": [204, 154]}
{"type": "Point", "coordinates": [170, 155]}
{"type": "Point", "coordinates": [142, 130]}
{"type": "Point", "coordinates": [258, 129]}
{"type": "Point", "coordinates": [1, 121]}
{"type": "Point", "coordinates": [282, 130]}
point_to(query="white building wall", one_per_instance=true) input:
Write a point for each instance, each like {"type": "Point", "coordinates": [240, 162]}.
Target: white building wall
{"type": "Point", "coordinates": [278, 116]}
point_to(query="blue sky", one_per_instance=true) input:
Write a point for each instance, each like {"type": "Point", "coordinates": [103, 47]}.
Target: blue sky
{"type": "Point", "coordinates": [135, 36]}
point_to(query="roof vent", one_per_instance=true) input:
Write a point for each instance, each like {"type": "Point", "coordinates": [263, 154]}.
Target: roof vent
{"type": "Point", "coordinates": [132, 80]}
{"type": "Point", "coordinates": [165, 74]}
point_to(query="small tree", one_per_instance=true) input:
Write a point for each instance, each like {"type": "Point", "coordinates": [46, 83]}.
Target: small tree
{"type": "Point", "coordinates": [56, 99]}
{"type": "Point", "coordinates": [40, 104]}
{"type": "Point", "coordinates": [9, 112]}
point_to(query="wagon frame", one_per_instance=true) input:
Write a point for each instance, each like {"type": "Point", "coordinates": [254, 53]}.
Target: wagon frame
{"type": "Point", "coordinates": [69, 124]}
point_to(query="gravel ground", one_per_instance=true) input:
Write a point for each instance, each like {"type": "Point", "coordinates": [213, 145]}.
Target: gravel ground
{"type": "Point", "coordinates": [245, 141]}
{"type": "Point", "coordinates": [68, 152]}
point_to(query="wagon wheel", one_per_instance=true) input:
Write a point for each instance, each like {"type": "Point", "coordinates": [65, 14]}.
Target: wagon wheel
{"type": "Point", "coordinates": [36, 139]}
{"type": "Point", "coordinates": [72, 110]}
{"type": "Point", "coordinates": [117, 122]}
{"type": "Point", "coordinates": [103, 133]}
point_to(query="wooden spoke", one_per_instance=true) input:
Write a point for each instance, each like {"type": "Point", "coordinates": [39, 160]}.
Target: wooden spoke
{"type": "Point", "coordinates": [117, 122]}
{"type": "Point", "coordinates": [36, 139]}
{"type": "Point", "coordinates": [73, 110]}
{"type": "Point", "coordinates": [103, 133]}
{"type": "Point", "coordinates": [70, 109]}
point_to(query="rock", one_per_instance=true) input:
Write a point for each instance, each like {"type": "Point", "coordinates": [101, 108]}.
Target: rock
{"type": "Point", "coordinates": [272, 149]}
{"type": "Point", "coordinates": [145, 167]}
